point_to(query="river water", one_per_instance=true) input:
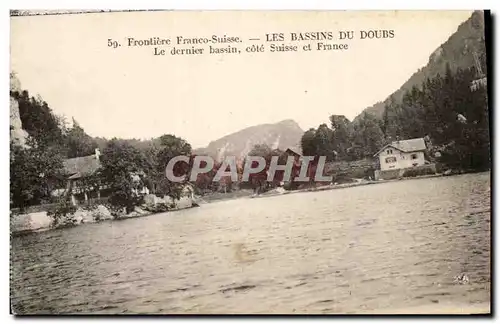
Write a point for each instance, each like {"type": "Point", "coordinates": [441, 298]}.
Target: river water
{"type": "Point", "coordinates": [392, 245]}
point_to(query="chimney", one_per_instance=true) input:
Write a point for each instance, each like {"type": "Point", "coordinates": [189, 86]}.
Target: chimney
{"type": "Point", "coordinates": [97, 154]}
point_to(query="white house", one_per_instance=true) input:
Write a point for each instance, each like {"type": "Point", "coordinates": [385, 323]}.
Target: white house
{"type": "Point", "coordinates": [402, 154]}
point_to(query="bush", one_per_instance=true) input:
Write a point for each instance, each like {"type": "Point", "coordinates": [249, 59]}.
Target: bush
{"type": "Point", "coordinates": [62, 214]}
{"type": "Point", "coordinates": [418, 172]}
{"type": "Point", "coordinates": [440, 167]}
{"type": "Point", "coordinates": [291, 185]}
{"type": "Point", "coordinates": [369, 173]}
{"type": "Point", "coordinates": [158, 208]}
{"type": "Point", "coordinates": [124, 198]}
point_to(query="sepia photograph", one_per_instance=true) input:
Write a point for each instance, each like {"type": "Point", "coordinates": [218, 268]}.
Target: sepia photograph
{"type": "Point", "coordinates": [213, 162]}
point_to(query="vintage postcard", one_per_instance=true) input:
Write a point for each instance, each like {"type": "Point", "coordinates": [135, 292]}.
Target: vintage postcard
{"type": "Point", "coordinates": [250, 162]}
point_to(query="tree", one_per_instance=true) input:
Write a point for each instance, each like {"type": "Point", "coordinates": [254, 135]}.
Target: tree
{"type": "Point", "coordinates": [34, 172]}
{"type": "Point", "coordinates": [342, 131]}
{"type": "Point", "coordinates": [258, 180]}
{"type": "Point", "coordinates": [204, 181]}
{"type": "Point", "coordinates": [390, 122]}
{"type": "Point", "coordinates": [324, 139]}
{"type": "Point", "coordinates": [368, 137]}
{"type": "Point", "coordinates": [446, 111]}
{"type": "Point", "coordinates": [262, 150]}
{"type": "Point", "coordinates": [170, 147]}
{"type": "Point", "coordinates": [38, 120]}
{"type": "Point", "coordinates": [78, 142]}
{"type": "Point", "coordinates": [120, 164]}
{"type": "Point", "coordinates": [308, 143]}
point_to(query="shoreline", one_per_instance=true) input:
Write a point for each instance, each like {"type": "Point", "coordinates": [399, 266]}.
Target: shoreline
{"type": "Point", "coordinates": [362, 183]}
{"type": "Point", "coordinates": [122, 218]}
{"type": "Point", "coordinates": [199, 201]}
{"type": "Point", "coordinates": [345, 185]}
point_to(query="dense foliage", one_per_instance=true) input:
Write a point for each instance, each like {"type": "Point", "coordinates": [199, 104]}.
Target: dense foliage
{"type": "Point", "coordinates": [457, 52]}
{"type": "Point", "coordinates": [455, 119]}
{"type": "Point", "coordinates": [34, 172]}
{"type": "Point", "coordinates": [127, 170]}
{"type": "Point", "coordinates": [36, 169]}
{"type": "Point", "coordinates": [444, 110]}
{"type": "Point", "coordinates": [127, 165]}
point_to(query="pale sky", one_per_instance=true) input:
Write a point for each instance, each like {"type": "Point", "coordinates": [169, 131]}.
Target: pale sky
{"type": "Point", "coordinates": [129, 93]}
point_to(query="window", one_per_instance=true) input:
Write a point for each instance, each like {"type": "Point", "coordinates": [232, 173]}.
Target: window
{"type": "Point", "coordinates": [389, 151]}
{"type": "Point", "coordinates": [414, 156]}
{"type": "Point", "coordinates": [390, 160]}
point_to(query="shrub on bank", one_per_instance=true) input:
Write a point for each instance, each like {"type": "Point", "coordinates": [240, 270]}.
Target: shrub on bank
{"type": "Point", "coordinates": [291, 185]}
{"type": "Point", "coordinates": [63, 214]}
{"type": "Point", "coordinates": [440, 167]}
{"type": "Point", "coordinates": [123, 201]}
{"type": "Point", "coordinates": [97, 212]}
{"type": "Point", "coordinates": [418, 172]}
{"type": "Point", "coordinates": [157, 208]}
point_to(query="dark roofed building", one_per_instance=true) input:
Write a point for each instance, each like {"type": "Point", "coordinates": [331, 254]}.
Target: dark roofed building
{"type": "Point", "coordinates": [293, 151]}
{"type": "Point", "coordinates": [77, 169]}
{"type": "Point", "coordinates": [80, 167]}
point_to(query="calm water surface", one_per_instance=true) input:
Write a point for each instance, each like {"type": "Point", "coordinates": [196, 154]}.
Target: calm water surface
{"type": "Point", "coordinates": [383, 246]}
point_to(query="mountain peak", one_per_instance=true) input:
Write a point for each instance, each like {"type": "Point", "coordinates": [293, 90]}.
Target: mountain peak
{"type": "Point", "coordinates": [281, 135]}
{"type": "Point", "coordinates": [288, 122]}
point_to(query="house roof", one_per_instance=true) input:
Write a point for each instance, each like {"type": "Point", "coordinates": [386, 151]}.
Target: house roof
{"type": "Point", "coordinates": [411, 145]}
{"type": "Point", "coordinates": [293, 151]}
{"type": "Point", "coordinates": [80, 166]}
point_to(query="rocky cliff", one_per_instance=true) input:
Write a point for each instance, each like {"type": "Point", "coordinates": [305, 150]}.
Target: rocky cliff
{"type": "Point", "coordinates": [17, 134]}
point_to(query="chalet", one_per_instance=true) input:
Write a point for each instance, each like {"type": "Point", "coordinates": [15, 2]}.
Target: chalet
{"type": "Point", "coordinates": [402, 154]}
{"type": "Point", "coordinates": [77, 170]}
{"type": "Point", "coordinates": [80, 169]}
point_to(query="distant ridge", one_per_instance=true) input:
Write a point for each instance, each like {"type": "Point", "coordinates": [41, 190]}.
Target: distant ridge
{"type": "Point", "coordinates": [282, 135]}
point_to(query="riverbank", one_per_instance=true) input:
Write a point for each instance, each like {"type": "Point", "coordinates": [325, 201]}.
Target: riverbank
{"type": "Point", "coordinates": [22, 224]}
{"type": "Point", "coordinates": [358, 183]}
{"type": "Point", "coordinates": [219, 196]}
{"type": "Point", "coordinates": [39, 222]}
